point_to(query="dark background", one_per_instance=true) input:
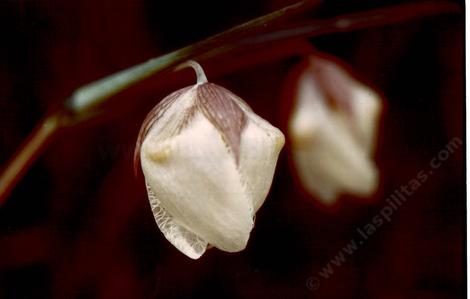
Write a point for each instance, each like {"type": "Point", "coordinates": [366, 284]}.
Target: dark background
{"type": "Point", "coordinates": [79, 224]}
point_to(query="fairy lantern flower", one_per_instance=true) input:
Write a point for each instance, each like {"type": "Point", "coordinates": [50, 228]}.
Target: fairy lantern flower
{"type": "Point", "coordinates": [333, 128]}
{"type": "Point", "coordinates": [208, 162]}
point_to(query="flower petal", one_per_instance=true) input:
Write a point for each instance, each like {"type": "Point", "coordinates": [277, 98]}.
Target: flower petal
{"type": "Point", "coordinates": [366, 107]}
{"type": "Point", "coordinates": [310, 111]}
{"type": "Point", "coordinates": [186, 242]}
{"type": "Point", "coordinates": [259, 151]}
{"type": "Point", "coordinates": [158, 112]}
{"type": "Point", "coordinates": [331, 163]}
{"type": "Point", "coordinates": [356, 101]}
{"type": "Point", "coordinates": [196, 179]}
{"type": "Point", "coordinates": [217, 105]}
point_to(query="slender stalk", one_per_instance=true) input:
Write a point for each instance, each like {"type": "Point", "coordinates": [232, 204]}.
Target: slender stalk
{"type": "Point", "coordinates": [85, 98]}
{"type": "Point", "coordinates": [29, 151]}
{"type": "Point", "coordinates": [355, 21]}
{"type": "Point", "coordinates": [340, 24]}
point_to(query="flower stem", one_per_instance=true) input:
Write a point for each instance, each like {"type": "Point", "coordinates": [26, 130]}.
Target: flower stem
{"type": "Point", "coordinates": [84, 99]}
{"type": "Point", "coordinates": [200, 75]}
{"type": "Point", "coordinates": [355, 21]}
{"type": "Point", "coordinates": [31, 149]}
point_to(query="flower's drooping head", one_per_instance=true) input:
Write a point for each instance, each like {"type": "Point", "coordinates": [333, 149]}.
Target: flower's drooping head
{"type": "Point", "coordinates": [333, 130]}
{"type": "Point", "coordinates": [208, 162]}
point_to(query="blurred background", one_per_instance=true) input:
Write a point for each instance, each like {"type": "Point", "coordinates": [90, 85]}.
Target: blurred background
{"type": "Point", "coordinates": [79, 224]}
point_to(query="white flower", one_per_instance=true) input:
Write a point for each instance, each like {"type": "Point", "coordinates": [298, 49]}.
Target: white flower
{"type": "Point", "coordinates": [333, 130]}
{"type": "Point", "coordinates": [208, 162]}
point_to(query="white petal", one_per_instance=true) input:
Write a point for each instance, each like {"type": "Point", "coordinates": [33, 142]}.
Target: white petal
{"type": "Point", "coordinates": [332, 163]}
{"type": "Point", "coordinates": [310, 111]}
{"type": "Point", "coordinates": [173, 116]}
{"type": "Point", "coordinates": [259, 150]}
{"type": "Point", "coordinates": [196, 179]}
{"type": "Point", "coordinates": [357, 102]}
{"type": "Point", "coordinates": [366, 105]}
{"type": "Point", "coordinates": [186, 242]}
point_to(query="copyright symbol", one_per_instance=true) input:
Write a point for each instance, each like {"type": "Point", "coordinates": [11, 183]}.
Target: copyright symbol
{"type": "Point", "coordinates": [313, 283]}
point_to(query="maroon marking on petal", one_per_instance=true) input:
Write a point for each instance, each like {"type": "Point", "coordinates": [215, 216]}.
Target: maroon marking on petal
{"type": "Point", "coordinates": [338, 83]}
{"type": "Point", "coordinates": [153, 116]}
{"type": "Point", "coordinates": [334, 82]}
{"type": "Point", "coordinates": [223, 112]}
{"type": "Point", "coordinates": [187, 117]}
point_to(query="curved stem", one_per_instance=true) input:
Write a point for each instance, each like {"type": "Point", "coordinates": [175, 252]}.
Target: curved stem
{"type": "Point", "coordinates": [200, 75]}
{"type": "Point", "coordinates": [341, 24]}
{"type": "Point", "coordinates": [26, 155]}
{"type": "Point", "coordinates": [355, 21]}
{"type": "Point", "coordinates": [87, 97]}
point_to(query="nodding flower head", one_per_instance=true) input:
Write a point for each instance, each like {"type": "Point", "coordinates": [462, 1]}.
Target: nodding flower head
{"type": "Point", "coordinates": [208, 162]}
{"type": "Point", "coordinates": [333, 130]}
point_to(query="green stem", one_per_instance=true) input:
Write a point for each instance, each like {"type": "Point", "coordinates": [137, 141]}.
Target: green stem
{"type": "Point", "coordinates": [86, 98]}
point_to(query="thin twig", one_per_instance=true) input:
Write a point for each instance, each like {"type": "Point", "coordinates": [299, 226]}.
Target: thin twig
{"type": "Point", "coordinates": [86, 98]}
{"type": "Point", "coordinates": [318, 27]}
{"type": "Point", "coordinates": [355, 21]}
{"type": "Point", "coordinates": [32, 148]}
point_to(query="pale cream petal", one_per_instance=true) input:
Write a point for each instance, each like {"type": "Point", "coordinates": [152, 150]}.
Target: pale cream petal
{"type": "Point", "coordinates": [198, 183]}
{"type": "Point", "coordinates": [312, 176]}
{"type": "Point", "coordinates": [174, 117]}
{"type": "Point", "coordinates": [309, 113]}
{"type": "Point", "coordinates": [184, 240]}
{"type": "Point", "coordinates": [260, 146]}
{"type": "Point", "coordinates": [331, 163]}
{"type": "Point", "coordinates": [358, 103]}
{"type": "Point", "coordinates": [259, 151]}
{"type": "Point", "coordinates": [367, 107]}
{"type": "Point", "coordinates": [337, 159]}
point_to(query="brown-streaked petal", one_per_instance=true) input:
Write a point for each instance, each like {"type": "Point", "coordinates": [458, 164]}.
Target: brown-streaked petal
{"type": "Point", "coordinates": [359, 103]}
{"type": "Point", "coordinates": [154, 115]}
{"type": "Point", "coordinates": [335, 83]}
{"type": "Point", "coordinates": [223, 112]}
